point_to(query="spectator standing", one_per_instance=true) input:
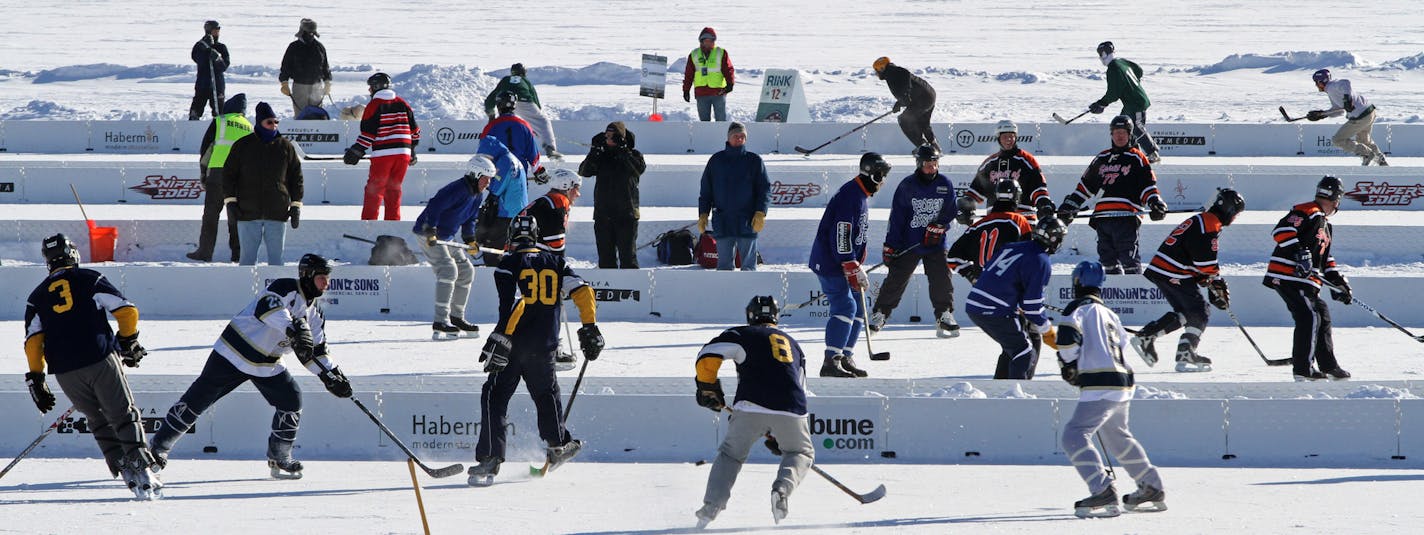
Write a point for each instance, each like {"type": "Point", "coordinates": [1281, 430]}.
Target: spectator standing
{"type": "Point", "coordinates": [735, 195]}
{"type": "Point", "coordinates": [212, 59]}
{"type": "Point", "coordinates": [217, 145]}
{"type": "Point", "coordinates": [305, 66]}
{"type": "Point", "coordinates": [617, 165]}
{"type": "Point", "coordinates": [709, 76]}
{"type": "Point", "coordinates": [262, 187]}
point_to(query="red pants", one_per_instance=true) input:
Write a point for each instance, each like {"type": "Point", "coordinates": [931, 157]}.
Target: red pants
{"type": "Point", "coordinates": [387, 174]}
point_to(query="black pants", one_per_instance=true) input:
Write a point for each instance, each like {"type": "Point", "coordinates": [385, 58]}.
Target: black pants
{"type": "Point", "coordinates": [1189, 308]}
{"type": "Point", "coordinates": [201, 99]}
{"type": "Point", "coordinates": [1017, 360]}
{"type": "Point", "coordinates": [915, 122]}
{"type": "Point", "coordinates": [1117, 244]}
{"type": "Point", "coordinates": [1312, 341]}
{"type": "Point", "coordinates": [1141, 135]}
{"type": "Point", "coordinates": [101, 392]}
{"type": "Point", "coordinates": [901, 267]}
{"type": "Point", "coordinates": [614, 239]}
{"type": "Point", "coordinates": [537, 371]}
{"type": "Point", "coordinates": [493, 233]}
{"type": "Point", "coordinates": [218, 379]}
{"type": "Point", "coordinates": [212, 210]}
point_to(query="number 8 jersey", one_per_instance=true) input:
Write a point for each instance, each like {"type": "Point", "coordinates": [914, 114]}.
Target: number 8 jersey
{"type": "Point", "coordinates": [770, 368]}
{"type": "Point", "coordinates": [66, 318]}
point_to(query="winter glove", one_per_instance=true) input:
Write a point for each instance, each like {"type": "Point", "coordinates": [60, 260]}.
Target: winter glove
{"type": "Point", "coordinates": [496, 352]}
{"type": "Point", "coordinates": [294, 215]}
{"type": "Point", "coordinates": [1341, 292]}
{"type": "Point", "coordinates": [474, 245]}
{"type": "Point", "coordinates": [758, 221]}
{"type": "Point", "coordinates": [888, 252]}
{"type": "Point", "coordinates": [1069, 371]}
{"type": "Point", "coordinates": [727, 89]}
{"type": "Point", "coordinates": [1050, 338]}
{"type": "Point", "coordinates": [233, 213]}
{"type": "Point", "coordinates": [335, 382]}
{"type": "Point", "coordinates": [299, 335]}
{"type": "Point", "coordinates": [1304, 264]}
{"type": "Point", "coordinates": [934, 234]}
{"type": "Point", "coordinates": [710, 395]}
{"type": "Point", "coordinates": [772, 445]}
{"type": "Point", "coordinates": [855, 276]}
{"type": "Point", "coordinates": [413, 159]}
{"type": "Point", "coordinates": [214, 55]}
{"type": "Point", "coordinates": [702, 222]}
{"type": "Point", "coordinates": [39, 391]}
{"type": "Point", "coordinates": [286, 89]}
{"type": "Point", "coordinates": [1218, 294]}
{"type": "Point", "coordinates": [686, 96]}
{"type": "Point", "coordinates": [590, 341]}
{"type": "Point", "coordinates": [130, 352]}
{"type": "Point", "coordinates": [353, 154]}
{"type": "Point", "coordinates": [1157, 210]}
{"type": "Point", "coordinates": [1315, 115]}
{"type": "Point", "coordinates": [971, 273]}
{"type": "Point", "coordinates": [898, 106]}
{"type": "Point", "coordinates": [1096, 108]}
{"type": "Point", "coordinates": [1045, 208]}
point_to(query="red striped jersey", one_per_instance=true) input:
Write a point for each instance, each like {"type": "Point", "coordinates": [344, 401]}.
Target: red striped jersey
{"type": "Point", "coordinates": [1016, 164]}
{"type": "Point", "coordinates": [1123, 177]}
{"type": "Point", "coordinates": [1190, 251]}
{"type": "Point", "coordinates": [388, 127]}
{"type": "Point", "coordinates": [982, 240]}
{"type": "Point", "coordinates": [1304, 226]}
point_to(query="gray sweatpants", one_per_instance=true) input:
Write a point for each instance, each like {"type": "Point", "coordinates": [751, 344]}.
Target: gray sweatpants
{"type": "Point", "coordinates": [101, 392]}
{"type": "Point", "coordinates": [1354, 136]}
{"type": "Point", "coordinates": [304, 95]}
{"type": "Point", "coordinates": [745, 429]}
{"type": "Point", "coordinates": [453, 276]}
{"type": "Point", "coordinates": [1109, 420]}
{"type": "Point", "coordinates": [543, 129]}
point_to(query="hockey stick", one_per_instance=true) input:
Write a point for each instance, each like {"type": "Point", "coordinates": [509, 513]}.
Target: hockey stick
{"type": "Point", "coordinates": [1060, 311]}
{"type": "Point", "coordinates": [1377, 313]}
{"type": "Point", "coordinates": [433, 472]}
{"type": "Point", "coordinates": [807, 152]}
{"type": "Point", "coordinates": [808, 302]}
{"type": "Point", "coordinates": [865, 314]}
{"type": "Point", "coordinates": [1269, 362]}
{"type": "Point", "coordinates": [868, 497]}
{"type": "Point", "coordinates": [459, 245]}
{"type": "Point", "coordinates": [541, 472]}
{"type": "Point", "coordinates": [37, 441]}
{"type": "Point", "coordinates": [1061, 120]}
{"type": "Point", "coordinates": [1107, 456]}
{"type": "Point", "coordinates": [1289, 119]}
{"type": "Point", "coordinates": [655, 240]}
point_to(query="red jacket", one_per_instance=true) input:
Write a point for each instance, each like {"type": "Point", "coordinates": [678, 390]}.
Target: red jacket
{"type": "Point", "coordinates": [388, 127]}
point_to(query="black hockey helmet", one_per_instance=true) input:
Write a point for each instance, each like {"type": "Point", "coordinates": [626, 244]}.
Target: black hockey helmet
{"type": "Point", "coordinates": [1330, 188]}
{"type": "Point", "coordinates": [517, 69]}
{"type": "Point", "coordinates": [504, 101]}
{"type": "Point", "coordinates": [211, 25]}
{"type": "Point", "coordinates": [378, 82]}
{"type": "Point", "coordinates": [59, 252]}
{"type": "Point", "coordinates": [1122, 121]}
{"type": "Point", "coordinates": [873, 169]}
{"type": "Point", "coordinates": [308, 268]}
{"type": "Point", "coordinates": [1227, 204]}
{"type": "Point", "coordinates": [1007, 191]}
{"type": "Point", "coordinates": [926, 153]}
{"type": "Point", "coordinates": [1049, 233]}
{"type": "Point", "coordinates": [523, 228]}
{"type": "Point", "coordinates": [1105, 48]}
{"type": "Point", "coordinates": [762, 309]}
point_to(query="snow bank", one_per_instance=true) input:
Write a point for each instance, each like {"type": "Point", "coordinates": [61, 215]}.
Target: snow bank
{"type": "Point", "coordinates": [445, 92]}
{"type": "Point", "coordinates": [601, 73]}
{"type": "Point", "coordinates": [959, 391]}
{"type": "Point", "coordinates": [1380, 392]}
{"type": "Point", "coordinates": [1147, 392]}
{"type": "Point", "coordinates": [1282, 61]}
{"type": "Point", "coordinates": [1016, 392]}
{"type": "Point", "coordinates": [78, 72]}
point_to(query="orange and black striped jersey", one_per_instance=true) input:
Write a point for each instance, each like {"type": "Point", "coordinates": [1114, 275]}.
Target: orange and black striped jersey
{"type": "Point", "coordinates": [551, 212]}
{"type": "Point", "coordinates": [1190, 251]}
{"type": "Point", "coordinates": [1123, 177]}
{"type": "Point", "coordinates": [982, 240]}
{"type": "Point", "coordinates": [1016, 164]}
{"type": "Point", "coordinates": [1306, 225]}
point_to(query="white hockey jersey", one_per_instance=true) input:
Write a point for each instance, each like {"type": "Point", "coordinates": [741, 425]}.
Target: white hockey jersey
{"type": "Point", "coordinates": [1092, 335]}
{"type": "Point", "coordinates": [256, 338]}
{"type": "Point", "coordinates": [1338, 90]}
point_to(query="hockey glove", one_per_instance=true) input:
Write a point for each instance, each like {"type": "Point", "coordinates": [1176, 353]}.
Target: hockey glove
{"type": "Point", "coordinates": [887, 253]}
{"type": "Point", "coordinates": [971, 273]}
{"type": "Point", "coordinates": [727, 89]}
{"type": "Point", "coordinates": [686, 96]}
{"type": "Point", "coordinates": [1315, 115]}
{"type": "Point", "coordinates": [39, 391]}
{"type": "Point", "coordinates": [1067, 211]}
{"type": "Point", "coordinates": [413, 159]}
{"type": "Point", "coordinates": [1157, 209]}
{"type": "Point", "coordinates": [590, 341]}
{"type": "Point", "coordinates": [1069, 371]}
{"type": "Point", "coordinates": [708, 395]}
{"type": "Point", "coordinates": [1342, 291]}
{"type": "Point", "coordinates": [130, 351]}
{"type": "Point", "coordinates": [1218, 294]}
{"type": "Point", "coordinates": [772, 444]}
{"type": "Point", "coordinates": [294, 214]}
{"type": "Point", "coordinates": [496, 352]}
{"type": "Point", "coordinates": [336, 382]}
{"type": "Point", "coordinates": [934, 234]}
{"type": "Point", "coordinates": [299, 336]}
{"type": "Point", "coordinates": [758, 221]}
{"type": "Point", "coordinates": [1045, 208]}
{"type": "Point", "coordinates": [286, 89]}
{"type": "Point", "coordinates": [1050, 338]}
{"type": "Point", "coordinates": [855, 276]}
{"type": "Point", "coordinates": [353, 154]}
{"type": "Point", "coordinates": [1096, 108]}
{"type": "Point", "coordinates": [428, 234]}
{"type": "Point", "coordinates": [898, 106]}
{"type": "Point", "coordinates": [1347, 102]}
{"type": "Point", "coordinates": [1304, 264]}
{"type": "Point", "coordinates": [474, 246]}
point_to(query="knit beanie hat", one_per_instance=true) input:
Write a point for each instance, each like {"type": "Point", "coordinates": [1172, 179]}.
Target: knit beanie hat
{"type": "Point", "coordinates": [264, 112]}
{"type": "Point", "coordinates": [736, 128]}
{"type": "Point", "coordinates": [708, 33]}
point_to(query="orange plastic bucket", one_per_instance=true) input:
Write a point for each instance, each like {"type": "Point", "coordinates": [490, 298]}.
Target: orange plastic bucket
{"type": "Point", "coordinates": [101, 242]}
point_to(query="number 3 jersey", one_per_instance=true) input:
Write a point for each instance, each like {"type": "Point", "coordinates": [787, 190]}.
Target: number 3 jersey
{"type": "Point", "coordinates": [770, 368]}
{"type": "Point", "coordinates": [532, 284]}
{"type": "Point", "coordinates": [66, 321]}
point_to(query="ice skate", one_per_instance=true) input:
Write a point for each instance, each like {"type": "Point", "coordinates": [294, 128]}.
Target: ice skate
{"type": "Point", "coordinates": [553, 154]}
{"type": "Point", "coordinates": [1380, 161]}
{"type": "Point", "coordinates": [848, 364]}
{"type": "Point", "coordinates": [443, 331]}
{"type": "Point", "coordinates": [556, 456]}
{"type": "Point", "coordinates": [482, 475]}
{"type": "Point", "coordinates": [1189, 361]}
{"type": "Point", "coordinates": [287, 468]}
{"type": "Point", "coordinates": [565, 361]}
{"type": "Point", "coordinates": [946, 327]}
{"type": "Point", "coordinates": [1100, 505]}
{"type": "Point", "coordinates": [467, 329]}
{"type": "Point", "coordinates": [877, 321]}
{"type": "Point", "coordinates": [1337, 374]}
{"type": "Point", "coordinates": [778, 506]}
{"type": "Point", "coordinates": [706, 515]}
{"type": "Point", "coordinates": [1146, 499]}
{"type": "Point", "coordinates": [833, 368]}
{"type": "Point", "coordinates": [1142, 343]}
{"type": "Point", "coordinates": [1311, 375]}
{"type": "Point", "coordinates": [138, 478]}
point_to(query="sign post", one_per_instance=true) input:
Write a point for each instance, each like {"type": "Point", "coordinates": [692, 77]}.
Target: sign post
{"type": "Point", "coordinates": [783, 100]}
{"type": "Point", "coordinates": [654, 81]}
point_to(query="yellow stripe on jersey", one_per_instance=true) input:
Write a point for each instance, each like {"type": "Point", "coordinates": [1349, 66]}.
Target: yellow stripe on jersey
{"type": "Point", "coordinates": [128, 320]}
{"type": "Point", "coordinates": [514, 317]}
{"type": "Point", "coordinates": [34, 352]}
{"type": "Point", "coordinates": [588, 308]}
{"type": "Point", "coordinates": [707, 367]}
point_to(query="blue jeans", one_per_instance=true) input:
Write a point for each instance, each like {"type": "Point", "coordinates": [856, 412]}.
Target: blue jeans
{"type": "Point", "coordinates": [729, 246]}
{"type": "Point", "coordinates": [708, 107]}
{"type": "Point", "coordinates": [252, 233]}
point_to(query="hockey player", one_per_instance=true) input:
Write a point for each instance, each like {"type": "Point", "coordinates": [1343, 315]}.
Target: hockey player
{"type": "Point", "coordinates": [507, 196]}
{"type": "Point", "coordinates": [285, 316]}
{"type": "Point", "coordinates": [770, 402]}
{"type": "Point", "coordinates": [551, 213]}
{"type": "Point", "coordinates": [1298, 263]}
{"type": "Point", "coordinates": [1125, 83]}
{"type": "Point", "coordinates": [389, 131]}
{"type": "Point", "coordinates": [1124, 177]}
{"type": "Point", "coordinates": [912, 94]}
{"type": "Point", "coordinates": [1012, 284]}
{"type": "Point", "coordinates": [526, 106]}
{"type": "Point", "coordinates": [67, 330]}
{"type": "Point", "coordinates": [1354, 135]}
{"type": "Point", "coordinates": [522, 346]}
{"type": "Point", "coordinates": [1184, 261]}
{"type": "Point", "coordinates": [454, 209]}
{"type": "Point", "coordinates": [1010, 163]}
{"type": "Point", "coordinates": [919, 217]}
{"type": "Point", "coordinates": [836, 257]}
{"type": "Point", "coordinates": [1003, 225]}
{"type": "Point", "coordinates": [514, 132]}
{"type": "Point", "coordinates": [1090, 346]}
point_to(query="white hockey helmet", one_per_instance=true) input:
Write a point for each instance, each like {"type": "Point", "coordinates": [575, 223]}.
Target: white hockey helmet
{"type": "Point", "coordinates": [480, 165]}
{"type": "Point", "coordinates": [1006, 126]}
{"type": "Point", "coordinates": [564, 180]}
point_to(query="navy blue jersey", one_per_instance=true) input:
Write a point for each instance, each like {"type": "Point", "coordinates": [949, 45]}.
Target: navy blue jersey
{"type": "Point", "coordinates": [919, 201]}
{"type": "Point", "coordinates": [770, 367]}
{"type": "Point", "coordinates": [841, 236]}
{"type": "Point", "coordinates": [70, 308]}
{"type": "Point", "coordinates": [1013, 281]}
{"type": "Point", "coordinates": [532, 284]}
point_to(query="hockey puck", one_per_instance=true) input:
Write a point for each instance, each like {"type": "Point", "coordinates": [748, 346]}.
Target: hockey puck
{"type": "Point", "coordinates": [1228, 457]}
{"type": "Point", "coordinates": [656, 314]}
{"type": "Point", "coordinates": [1397, 457]}
{"type": "Point", "coordinates": [210, 449]}
{"type": "Point", "coordinates": [699, 462]}
{"type": "Point", "coordinates": [887, 454]}
{"type": "Point", "coordinates": [915, 319]}
{"type": "Point", "coordinates": [971, 454]}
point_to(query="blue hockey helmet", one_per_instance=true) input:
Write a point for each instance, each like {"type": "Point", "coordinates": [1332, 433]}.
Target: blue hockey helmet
{"type": "Point", "coordinates": [1321, 76]}
{"type": "Point", "coordinates": [1089, 274]}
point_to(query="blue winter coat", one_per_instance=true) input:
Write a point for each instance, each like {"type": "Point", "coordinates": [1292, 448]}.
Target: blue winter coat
{"type": "Point", "coordinates": [916, 205]}
{"type": "Point", "coordinates": [510, 187]}
{"type": "Point", "coordinates": [841, 236]}
{"type": "Point", "coordinates": [453, 209]}
{"type": "Point", "coordinates": [734, 186]}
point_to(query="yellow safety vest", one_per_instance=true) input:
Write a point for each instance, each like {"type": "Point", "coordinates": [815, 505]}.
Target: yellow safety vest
{"type": "Point", "coordinates": [707, 71]}
{"type": "Point", "coordinates": [229, 128]}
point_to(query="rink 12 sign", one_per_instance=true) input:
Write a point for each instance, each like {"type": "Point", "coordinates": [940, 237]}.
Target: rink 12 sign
{"type": "Point", "coordinates": [783, 99]}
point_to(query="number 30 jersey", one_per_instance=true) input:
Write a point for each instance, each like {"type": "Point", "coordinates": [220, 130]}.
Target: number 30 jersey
{"type": "Point", "coordinates": [68, 312]}
{"type": "Point", "coordinates": [532, 284]}
{"type": "Point", "coordinates": [770, 368]}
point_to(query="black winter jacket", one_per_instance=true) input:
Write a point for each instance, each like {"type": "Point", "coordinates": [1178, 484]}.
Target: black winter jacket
{"type": "Point", "coordinates": [618, 170]}
{"type": "Point", "coordinates": [908, 89]}
{"type": "Point", "coordinates": [305, 62]}
{"type": "Point", "coordinates": [266, 178]}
